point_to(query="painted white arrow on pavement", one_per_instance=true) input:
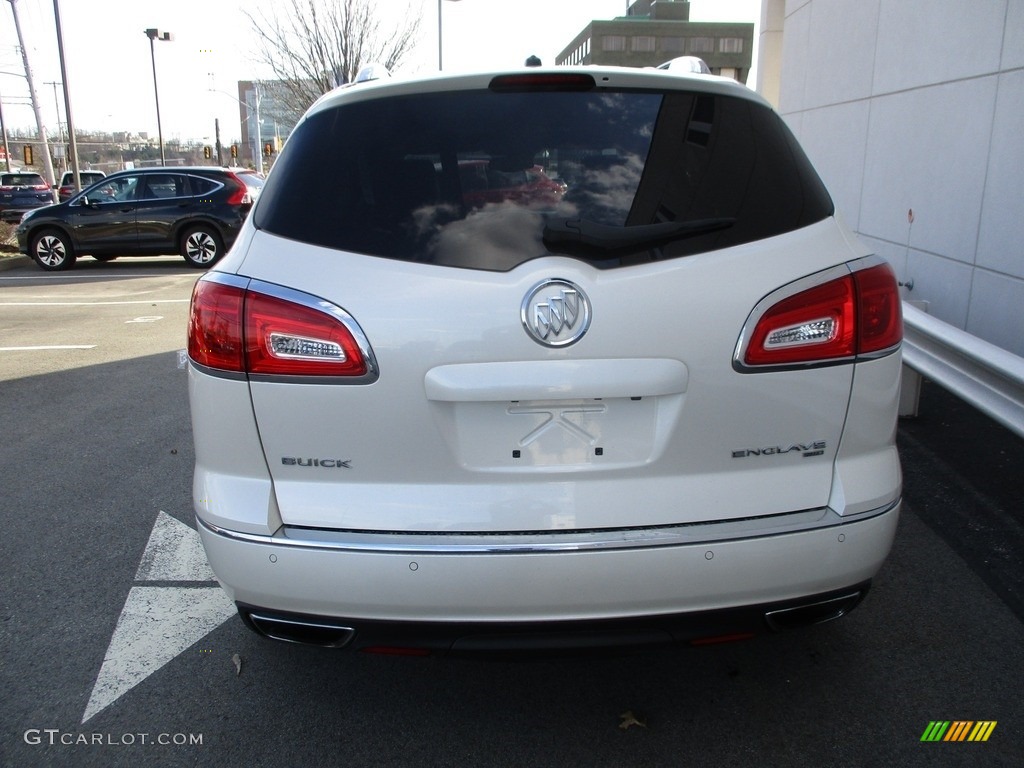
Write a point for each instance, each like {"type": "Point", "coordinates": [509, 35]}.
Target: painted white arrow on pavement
{"type": "Point", "coordinates": [158, 623]}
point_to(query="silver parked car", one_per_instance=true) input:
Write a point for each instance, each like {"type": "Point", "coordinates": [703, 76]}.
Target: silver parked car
{"type": "Point", "coordinates": [66, 186]}
{"type": "Point", "coordinates": [544, 359]}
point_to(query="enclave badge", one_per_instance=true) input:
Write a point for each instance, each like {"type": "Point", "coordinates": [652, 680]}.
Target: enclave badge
{"type": "Point", "coordinates": [556, 313]}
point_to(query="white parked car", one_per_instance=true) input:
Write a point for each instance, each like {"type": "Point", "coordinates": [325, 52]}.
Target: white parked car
{"type": "Point", "coordinates": [647, 394]}
{"type": "Point", "coordinates": [692, 64]}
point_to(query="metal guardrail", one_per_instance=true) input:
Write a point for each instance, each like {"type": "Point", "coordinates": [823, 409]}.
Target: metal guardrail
{"type": "Point", "coordinates": [988, 377]}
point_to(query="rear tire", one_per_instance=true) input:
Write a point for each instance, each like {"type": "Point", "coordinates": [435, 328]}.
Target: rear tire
{"type": "Point", "coordinates": [201, 246]}
{"type": "Point", "coordinates": [51, 250]}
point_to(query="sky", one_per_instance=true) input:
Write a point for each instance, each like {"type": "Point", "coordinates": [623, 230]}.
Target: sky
{"type": "Point", "coordinates": [110, 71]}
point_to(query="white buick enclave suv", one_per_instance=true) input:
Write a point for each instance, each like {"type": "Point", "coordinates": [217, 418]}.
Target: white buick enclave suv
{"type": "Point", "coordinates": [549, 359]}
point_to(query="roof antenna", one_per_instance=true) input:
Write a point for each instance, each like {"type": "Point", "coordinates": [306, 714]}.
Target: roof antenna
{"type": "Point", "coordinates": [533, 61]}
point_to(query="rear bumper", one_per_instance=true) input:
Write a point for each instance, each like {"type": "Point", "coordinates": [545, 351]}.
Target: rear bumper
{"type": "Point", "coordinates": [515, 638]}
{"type": "Point", "coordinates": [668, 590]}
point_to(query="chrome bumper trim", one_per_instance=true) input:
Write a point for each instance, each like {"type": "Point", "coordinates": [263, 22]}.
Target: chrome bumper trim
{"type": "Point", "coordinates": [534, 542]}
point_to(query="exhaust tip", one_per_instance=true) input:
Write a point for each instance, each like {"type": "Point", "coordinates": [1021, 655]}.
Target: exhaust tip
{"type": "Point", "coordinates": [305, 631]}
{"type": "Point", "coordinates": [813, 613]}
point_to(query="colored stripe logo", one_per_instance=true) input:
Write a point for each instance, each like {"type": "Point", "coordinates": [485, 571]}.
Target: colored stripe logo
{"type": "Point", "coordinates": [958, 730]}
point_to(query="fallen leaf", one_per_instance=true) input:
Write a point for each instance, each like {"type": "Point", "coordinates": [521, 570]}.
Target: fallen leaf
{"type": "Point", "coordinates": [238, 664]}
{"type": "Point", "coordinates": [629, 719]}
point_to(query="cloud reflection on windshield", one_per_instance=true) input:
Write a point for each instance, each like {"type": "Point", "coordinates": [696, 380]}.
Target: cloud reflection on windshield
{"type": "Point", "coordinates": [498, 235]}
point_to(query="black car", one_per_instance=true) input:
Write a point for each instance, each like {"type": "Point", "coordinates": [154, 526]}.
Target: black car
{"type": "Point", "coordinates": [196, 212]}
{"type": "Point", "coordinates": [20, 192]}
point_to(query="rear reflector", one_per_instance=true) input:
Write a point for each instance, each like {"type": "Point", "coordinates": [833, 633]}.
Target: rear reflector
{"type": "Point", "coordinates": [394, 650]}
{"type": "Point", "coordinates": [853, 315]}
{"type": "Point", "coordinates": [245, 328]}
{"type": "Point", "coordinates": [721, 639]}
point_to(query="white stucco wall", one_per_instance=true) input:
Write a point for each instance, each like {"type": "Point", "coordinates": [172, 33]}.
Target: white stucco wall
{"type": "Point", "coordinates": [918, 105]}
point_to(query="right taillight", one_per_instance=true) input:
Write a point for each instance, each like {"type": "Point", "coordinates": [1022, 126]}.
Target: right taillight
{"type": "Point", "coordinates": [844, 314]}
{"type": "Point", "coordinates": [879, 311]}
{"type": "Point", "coordinates": [253, 328]}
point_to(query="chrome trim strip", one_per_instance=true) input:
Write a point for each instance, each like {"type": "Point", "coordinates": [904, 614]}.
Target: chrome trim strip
{"type": "Point", "coordinates": [405, 543]}
{"type": "Point", "coordinates": [226, 278]}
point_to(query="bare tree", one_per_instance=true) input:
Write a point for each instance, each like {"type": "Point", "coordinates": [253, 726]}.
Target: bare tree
{"type": "Point", "coordinates": [312, 46]}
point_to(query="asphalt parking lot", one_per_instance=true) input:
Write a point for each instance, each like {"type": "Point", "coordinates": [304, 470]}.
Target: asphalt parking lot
{"type": "Point", "coordinates": [118, 651]}
{"type": "Point", "coordinates": [963, 473]}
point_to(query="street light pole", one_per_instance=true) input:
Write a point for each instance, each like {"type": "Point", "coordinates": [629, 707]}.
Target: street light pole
{"type": "Point", "coordinates": [440, 49]}
{"type": "Point", "coordinates": [156, 34]}
{"type": "Point", "coordinates": [259, 133]}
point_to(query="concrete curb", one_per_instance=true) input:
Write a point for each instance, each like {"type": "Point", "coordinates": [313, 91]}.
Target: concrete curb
{"type": "Point", "coordinates": [11, 262]}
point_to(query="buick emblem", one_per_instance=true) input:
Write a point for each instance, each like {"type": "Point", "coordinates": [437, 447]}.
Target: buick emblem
{"type": "Point", "coordinates": [556, 313]}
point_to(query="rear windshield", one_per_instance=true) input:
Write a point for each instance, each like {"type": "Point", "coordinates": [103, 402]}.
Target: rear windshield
{"type": "Point", "coordinates": [489, 180]}
{"type": "Point", "coordinates": [86, 177]}
{"type": "Point", "coordinates": [22, 180]}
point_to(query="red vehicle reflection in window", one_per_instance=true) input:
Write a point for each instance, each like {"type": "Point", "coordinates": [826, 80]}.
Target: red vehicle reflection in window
{"type": "Point", "coordinates": [482, 184]}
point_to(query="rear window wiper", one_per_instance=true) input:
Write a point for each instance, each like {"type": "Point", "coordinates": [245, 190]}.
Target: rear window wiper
{"type": "Point", "coordinates": [576, 235]}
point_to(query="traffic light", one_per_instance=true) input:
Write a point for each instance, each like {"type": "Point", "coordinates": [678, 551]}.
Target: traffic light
{"type": "Point", "coordinates": [207, 153]}
{"type": "Point", "coordinates": [268, 149]}
{"type": "Point", "coordinates": [27, 154]}
{"type": "Point", "coordinates": [234, 151]}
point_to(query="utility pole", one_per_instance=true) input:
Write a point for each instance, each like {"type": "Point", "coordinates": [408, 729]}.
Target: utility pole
{"type": "Point", "coordinates": [72, 142]}
{"type": "Point", "coordinates": [47, 161]}
{"type": "Point", "coordinates": [58, 151]}
{"type": "Point", "coordinates": [7, 149]}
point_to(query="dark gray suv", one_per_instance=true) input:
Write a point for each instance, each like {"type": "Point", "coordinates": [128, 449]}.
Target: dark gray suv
{"type": "Point", "coordinates": [195, 212]}
{"type": "Point", "coordinates": [20, 192]}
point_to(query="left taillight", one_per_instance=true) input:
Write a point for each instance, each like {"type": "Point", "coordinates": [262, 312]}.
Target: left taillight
{"type": "Point", "coordinates": [242, 327]}
{"type": "Point", "coordinates": [842, 315]}
{"type": "Point", "coordinates": [215, 326]}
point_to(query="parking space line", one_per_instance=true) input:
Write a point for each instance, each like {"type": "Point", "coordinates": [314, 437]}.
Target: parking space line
{"type": "Point", "coordinates": [89, 303]}
{"type": "Point", "coordinates": [103, 276]}
{"type": "Point", "coordinates": [47, 347]}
